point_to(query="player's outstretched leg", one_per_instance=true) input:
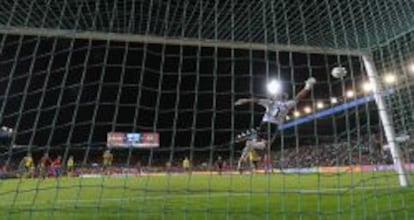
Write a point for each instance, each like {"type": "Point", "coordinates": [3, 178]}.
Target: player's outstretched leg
{"type": "Point", "coordinates": [242, 159]}
{"type": "Point", "coordinates": [239, 164]}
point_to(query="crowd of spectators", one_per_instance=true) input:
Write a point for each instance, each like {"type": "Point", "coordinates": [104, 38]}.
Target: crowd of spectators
{"type": "Point", "coordinates": [367, 151]}
{"type": "Point", "coordinates": [338, 154]}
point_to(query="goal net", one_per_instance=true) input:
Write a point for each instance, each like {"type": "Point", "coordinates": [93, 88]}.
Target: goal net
{"type": "Point", "coordinates": [126, 109]}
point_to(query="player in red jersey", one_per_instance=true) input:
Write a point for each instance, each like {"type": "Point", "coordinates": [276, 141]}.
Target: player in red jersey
{"type": "Point", "coordinates": [56, 166]}
{"type": "Point", "coordinates": [44, 166]}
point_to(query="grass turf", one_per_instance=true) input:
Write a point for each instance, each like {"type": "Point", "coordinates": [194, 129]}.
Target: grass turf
{"type": "Point", "coordinates": [374, 195]}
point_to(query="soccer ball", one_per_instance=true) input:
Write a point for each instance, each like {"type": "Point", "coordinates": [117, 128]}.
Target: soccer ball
{"type": "Point", "coordinates": [339, 72]}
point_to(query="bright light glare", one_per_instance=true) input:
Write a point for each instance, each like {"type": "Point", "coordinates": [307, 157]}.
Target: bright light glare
{"type": "Point", "coordinates": [320, 105]}
{"type": "Point", "coordinates": [296, 114]}
{"type": "Point", "coordinates": [411, 68]}
{"type": "Point", "coordinates": [367, 87]}
{"type": "Point", "coordinates": [350, 93]}
{"type": "Point", "coordinates": [274, 87]}
{"type": "Point", "coordinates": [390, 78]}
{"type": "Point", "coordinates": [334, 100]}
{"type": "Point", "coordinates": [287, 117]}
{"type": "Point", "coordinates": [307, 110]}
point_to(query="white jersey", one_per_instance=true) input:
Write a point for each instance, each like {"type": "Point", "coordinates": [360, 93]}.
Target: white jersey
{"type": "Point", "coordinates": [255, 144]}
{"type": "Point", "coordinates": [276, 111]}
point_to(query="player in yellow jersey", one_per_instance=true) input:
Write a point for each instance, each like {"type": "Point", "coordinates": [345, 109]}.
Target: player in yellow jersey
{"type": "Point", "coordinates": [28, 163]}
{"type": "Point", "coordinates": [69, 165]}
{"type": "Point", "coordinates": [253, 159]}
{"type": "Point", "coordinates": [186, 165]}
{"type": "Point", "coordinates": [107, 158]}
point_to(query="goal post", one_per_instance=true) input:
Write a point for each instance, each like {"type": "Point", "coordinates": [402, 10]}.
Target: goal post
{"type": "Point", "coordinates": [385, 119]}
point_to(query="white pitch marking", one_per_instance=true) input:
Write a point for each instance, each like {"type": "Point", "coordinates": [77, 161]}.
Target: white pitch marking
{"type": "Point", "coordinates": [198, 195]}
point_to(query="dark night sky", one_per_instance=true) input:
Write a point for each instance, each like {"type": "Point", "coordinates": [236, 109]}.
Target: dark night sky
{"type": "Point", "coordinates": [75, 91]}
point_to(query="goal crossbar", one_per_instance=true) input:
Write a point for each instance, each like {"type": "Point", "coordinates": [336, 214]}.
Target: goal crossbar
{"type": "Point", "coordinates": [153, 39]}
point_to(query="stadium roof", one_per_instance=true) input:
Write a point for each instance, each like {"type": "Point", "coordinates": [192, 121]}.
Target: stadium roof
{"type": "Point", "coordinates": [352, 24]}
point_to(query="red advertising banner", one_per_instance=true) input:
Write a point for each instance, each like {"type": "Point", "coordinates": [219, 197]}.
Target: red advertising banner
{"type": "Point", "coordinates": [150, 140]}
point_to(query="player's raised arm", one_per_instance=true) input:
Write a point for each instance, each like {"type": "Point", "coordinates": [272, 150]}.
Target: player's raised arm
{"type": "Point", "coordinates": [262, 102]}
{"type": "Point", "coordinates": [244, 101]}
{"type": "Point", "coordinates": [309, 83]}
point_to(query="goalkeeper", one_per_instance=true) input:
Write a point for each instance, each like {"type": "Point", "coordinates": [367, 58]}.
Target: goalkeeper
{"type": "Point", "coordinates": [277, 108]}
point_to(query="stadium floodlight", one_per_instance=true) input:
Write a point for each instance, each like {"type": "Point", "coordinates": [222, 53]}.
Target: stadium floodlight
{"type": "Point", "coordinates": [334, 100]}
{"type": "Point", "coordinates": [307, 110]}
{"type": "Point", "coordinates": [7, 129]}
{"type": "Point", "coordinates": [296, 114]}
{"type": "Point", "coordinates": [274, 87]}
{"type": "Point", "coordinates": [367, 87]}
{"type": "Point", "coordinates": [350, 93]}
{"type": "Point", "coordinates": [390, 78]}
{"type": "Point", "coordinates": [320, 105]}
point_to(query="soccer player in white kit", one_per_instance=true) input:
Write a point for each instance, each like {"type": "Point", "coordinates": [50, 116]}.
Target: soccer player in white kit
{"type": "Point", "coordinates": [277, 108]}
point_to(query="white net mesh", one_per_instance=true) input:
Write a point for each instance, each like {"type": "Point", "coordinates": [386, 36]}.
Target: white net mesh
{"type": "Point", "coordinates": [73, 71]}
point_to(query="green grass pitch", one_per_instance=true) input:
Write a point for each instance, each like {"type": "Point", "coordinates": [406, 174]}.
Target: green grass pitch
{"type": "Point", "coordinates": [373, 195]}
